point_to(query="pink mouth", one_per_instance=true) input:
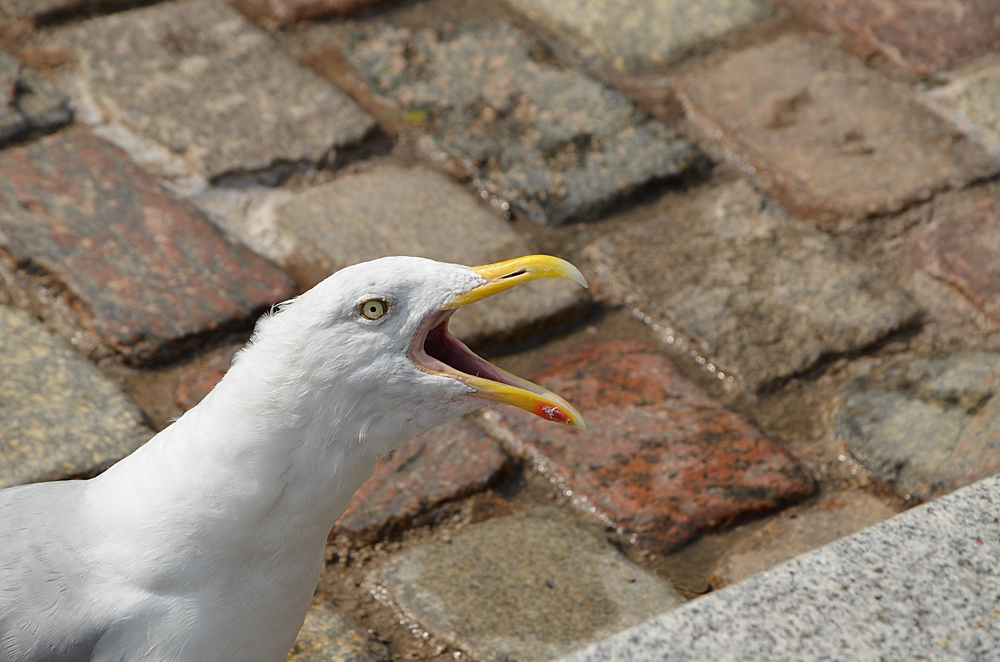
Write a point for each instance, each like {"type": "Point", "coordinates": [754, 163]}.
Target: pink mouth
{"type": "Point", "coordinates": [435, 350]}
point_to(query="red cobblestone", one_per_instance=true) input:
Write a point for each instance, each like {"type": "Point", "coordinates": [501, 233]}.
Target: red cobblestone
{"type": "Point", "coordinates": [964, 251]}
{"type": "Point", "coordinates": [452, 461]}
{"type": "Point", "coordinates": [151, 273]}
{"type": "Point", "coordinates": [923, 37]}
{"type": "Point", "coordinates": [661, 459]}
{"type": "Point", "coordinates": [198, 383]}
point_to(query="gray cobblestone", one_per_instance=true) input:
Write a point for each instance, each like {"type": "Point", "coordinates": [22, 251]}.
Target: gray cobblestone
{"type": "Point", "coordinates": [558, 144]}
{"type": "Point", "coordinates": [632, 35]}
{"type": "Point", "coordinates": [200, 80]}
{"type": "Point", "coordinates": [58, 416]}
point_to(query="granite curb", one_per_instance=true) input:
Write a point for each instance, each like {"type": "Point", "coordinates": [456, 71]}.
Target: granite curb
{"type": "Point", "coordinates": [922, 585]}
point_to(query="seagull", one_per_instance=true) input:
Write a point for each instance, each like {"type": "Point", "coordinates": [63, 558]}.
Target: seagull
{"type": "Point", "coordinates": [207, 543]}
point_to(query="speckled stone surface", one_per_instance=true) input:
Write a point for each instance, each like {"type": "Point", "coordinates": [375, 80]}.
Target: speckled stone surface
{"type": "Point", "coordinates": [661, 461]}
{"type": "Point", "coordinates": [30, 103]}
{"type": "Point", "coordinates": [287, 12]}
{"type": "Point", "coordinates": [37, 8]}
{"type": "Point", "coordinates": [923, 37]}
{"type": "Point", "coordinates": [923, 585]}
{"type": "Point", "coordinates": [46, 11]}
{"type": "Point", "coordinates": [449, 462]}
{"type": "Point", "coordinates": [149, 273]}
{"type": "Point", "coordinates": [928, 425]}
{"type": "Point", "coordinates": [827, 135]}
{"type": "Point", "coordinates": [59, 417]}
{"type": "Point", "coordinates": [761, 294]}
{"type": "Point", "coordinates": [390, 210]}
{"type": "Point", "coordinates": [964, 251]}
{"type": "Point", "coordinates": [558, 144]}
{"type": "Point", "coordinates": [972, 103]}
{"type": "Point", "coordinates": [632, 35]}
{"type": "Point", "coordinates": [329, 635]}
{"type": "Point", "coordinates": [794, 533]}
{"type": "Point", "coordinates": [256, 108]}
{"type": "Point", "coordinates": [525, 588]}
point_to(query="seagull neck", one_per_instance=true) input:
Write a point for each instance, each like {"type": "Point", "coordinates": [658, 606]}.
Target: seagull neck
{"type": "Point", "coordinates": [256, 450]}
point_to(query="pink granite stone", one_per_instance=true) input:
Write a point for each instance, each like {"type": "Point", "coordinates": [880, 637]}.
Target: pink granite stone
{"type": "Point", "coordinates": [661, 460]}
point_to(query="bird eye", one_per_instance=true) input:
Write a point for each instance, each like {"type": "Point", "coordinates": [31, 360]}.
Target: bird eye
{"type": "Point", "coordinates": [374, 309]}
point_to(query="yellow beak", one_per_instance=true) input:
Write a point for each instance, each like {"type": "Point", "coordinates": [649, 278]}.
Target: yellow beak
{"type": "Point", "coordinates": [505, 275]}
{"type": "Point", "coordinates": [514, 390]}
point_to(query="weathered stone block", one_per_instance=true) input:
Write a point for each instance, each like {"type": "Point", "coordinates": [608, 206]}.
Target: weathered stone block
{"type": "Point", "coordinates": [928, 425]}
{"type": "Point", "coordinates": [964, 251]}
{"type": "Point", "coordinates": [203, 82]}
{"type": "Point", "coordinates": [827, 135]}
{"type": "Point", "coordinates": [287, 12]}
{"type": "Point", "coordinates": [763, 295]}
{"type": "Point", "coordinates": [972, 103]}
{"type": "Point", "coordinates": [559, 145]}
{"type": "Point", "coordinates": [661, 461]}
{"type": "Point", "coordinates": [28, 102]}
{"type": "Point", "coordinates": [632, 35]}
{"type": "Point", "coordinates": [783, 538]}
{"type": "Point", "coordinates": [450, 462]}
{"type": "Point", "coordinates": [59, 417]}
{"type": "Point", "coordinates": [150, 273]}
{"type": "Point", "coordinates": [530, 588]}
{"type": "Point", "coordinates": [328, 634]}
{"type": "Point", "coordinates": [923, 37]}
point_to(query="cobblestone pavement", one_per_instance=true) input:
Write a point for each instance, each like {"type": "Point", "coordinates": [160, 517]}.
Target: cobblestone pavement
{"type": "Point", "coordinates": [789, 212]}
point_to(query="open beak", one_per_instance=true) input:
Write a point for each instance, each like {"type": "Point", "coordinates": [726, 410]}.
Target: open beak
{"type": "Point", "coordinates": [436, 350]}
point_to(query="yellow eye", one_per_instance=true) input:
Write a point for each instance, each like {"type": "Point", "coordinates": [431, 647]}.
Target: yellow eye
{"type": "Point", "coordinates": [374, 309]}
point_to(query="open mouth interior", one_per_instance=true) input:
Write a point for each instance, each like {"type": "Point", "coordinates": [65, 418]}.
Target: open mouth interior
{"type": "Point", "coordinates": [436, 350]}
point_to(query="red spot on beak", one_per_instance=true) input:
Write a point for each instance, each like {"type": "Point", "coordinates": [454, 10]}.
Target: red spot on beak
{"type": "Point", "coordinates": [552, 413]}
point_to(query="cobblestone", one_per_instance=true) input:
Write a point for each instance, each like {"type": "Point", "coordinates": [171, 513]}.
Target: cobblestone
{"type": "Point", "coordinates": [640, 34]}
{"type": "Point", "coordinates": [258, 111]}
{"type": "Point", "coordinates": [922, 37]}
{"type": "Point", "coordinates": [48, 11]}
{"type": "Point", "coordinates": [32, 104]}
{"type": "Point", "coordinates": [661, 461]}
{"type": "Point", "coordinates": [447, 463]}
{"type": "Point", "coordinates": [825, 134]}
{"type": "Point", "coordinates": [197, 383]}
{"type": "Point", "coordinates": [151, 274]}
{"type": "Point", "coordinates": [529, 588]}
{"type": "Point", "coordinates": [558, 144]}
{"type": "Point", "coordinates": [964, 251]}
{"type": "Point", "coordinates": [58, 416]}
{"type": "Point", "coordinates": [329, 634]}
{"type": "Point", "coordinates": [929, 425]}
{"type": "Point", "coordinates": [972, 103]}
{"type": "Point", "coordinates": [761, 294]}
{"type": "Point", "coordinates": [862, 171]}
{"type": "Point", "coordinates": [783, 538]}
{"type": "Point", "coordinates": [287, 12]}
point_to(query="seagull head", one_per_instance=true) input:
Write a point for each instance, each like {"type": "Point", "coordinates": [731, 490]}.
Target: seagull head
{"type": "Point", "coordinates": [369, 348]}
